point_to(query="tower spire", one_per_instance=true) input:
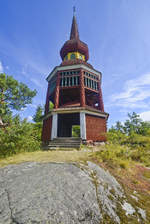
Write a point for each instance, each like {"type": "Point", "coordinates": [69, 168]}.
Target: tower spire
{"type": "Point", "coordinates": [74, 10]}
{"type": "Point", "coordinates": [74, 45]}
{"type": "Point", "coordinates": [74, 28]}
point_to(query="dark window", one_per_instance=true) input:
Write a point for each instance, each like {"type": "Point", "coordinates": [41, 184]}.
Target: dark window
{"type": "Point", "coordinates": [78, 80]}
{"type": "Point", "coordinates": [67, 81]}
{"type": "Point", "coordinates": [60, 82]}
{"type": "Point", "coordinates": [63, 81]}
{"type": "Point", "coordinates": [66, 58]}
{"type": "Point", "coordinates": [73, 56]}
{"type": "Point", "coordinates": [71, 81]}
{"type": "Point", "coordinates": [90, 83]}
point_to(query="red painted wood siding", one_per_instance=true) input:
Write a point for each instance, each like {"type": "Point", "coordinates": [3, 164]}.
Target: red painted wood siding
{"type": "Point", "coordinates": [95, 128]}
{"type": "Point", "coordinates": [46, 131]}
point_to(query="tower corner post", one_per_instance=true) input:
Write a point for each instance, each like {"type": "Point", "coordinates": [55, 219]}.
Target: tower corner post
{"type": "Point", "coordinates": [82, 89]}
{"type": "Point", "coordinates": [47, 100]}
{"type": "Point", "coordinates": [56, 103]}
{"type": "Point", "coordinates": [54, 126]}
{"type": "Point", "coordinates": [82, 126]}
{"type": "Point", "coordinates": [100, 96]}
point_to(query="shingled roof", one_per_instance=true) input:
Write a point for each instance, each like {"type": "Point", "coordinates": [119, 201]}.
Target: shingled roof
{"type": "Point", "coordinates": [74, 44]}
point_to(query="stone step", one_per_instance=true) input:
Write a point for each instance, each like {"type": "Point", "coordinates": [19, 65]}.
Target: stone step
{"type": "Point", "coordinates": [65, 143]}
{"type": "Point", "coordinates": [73, 143]}
{"type": "Point", "coordinates": [66, 140]}
{"type": "Point", "coordinates": [64, 146]}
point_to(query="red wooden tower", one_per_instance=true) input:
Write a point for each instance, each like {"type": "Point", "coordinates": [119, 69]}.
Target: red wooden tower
{"type": "Point", "coordinates": [74, 87]}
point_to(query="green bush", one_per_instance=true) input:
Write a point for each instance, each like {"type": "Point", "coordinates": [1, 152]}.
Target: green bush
{"type": "Point", "coordinates": [76, 131]}
{"type": "Point", "coordinates": [134, 147]}
{"type": "Point", "coordinates": [19, 136]}
{"type": "Point", "coordinates": [114, 155]}
{"type": "Point", "coordinates": [129, 140]}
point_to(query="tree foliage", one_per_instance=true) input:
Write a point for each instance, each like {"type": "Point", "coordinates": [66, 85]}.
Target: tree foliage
{"type": "Point", "coordinates": [19, 136]}
{"type": "Point", "coordinates": [129, 140]}
{"type": "Point", "coordinates": [76, 131]}
{"type": "Point", "coordinates": [13, 95]}
{"type": "Point", "coordinates": [16, 135]}
{"type": "Point", "coordinates": [38, 114]}
{"type": "Point", "coordinates": [133, 124]}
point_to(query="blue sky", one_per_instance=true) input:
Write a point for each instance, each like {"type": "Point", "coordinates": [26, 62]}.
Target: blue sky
{"type": "Point", "coordinates": [116, 31]}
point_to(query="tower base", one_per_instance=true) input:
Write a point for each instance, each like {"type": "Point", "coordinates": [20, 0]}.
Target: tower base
{"type": "Point", "coordinates": [58, 124]}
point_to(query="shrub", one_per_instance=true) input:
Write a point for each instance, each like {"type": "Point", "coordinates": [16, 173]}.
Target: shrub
{"type": "Point", "coordinates": [134, 146]}
{"type": "Point", "coordinates": [19, 136]}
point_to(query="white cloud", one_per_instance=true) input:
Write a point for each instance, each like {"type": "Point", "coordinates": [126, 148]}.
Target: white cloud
{"type": "Point", "coordinates": [25, 55]}
{"type": "Point", "coordinates": [33, 105]}
{"type": "Point", "coordinates": [36, 82]}
{"type": "Point", "coordinates": [29, 118]}
{"type": "Point", "coordinates": [145, 115]}
{"type": "Point", "coordinates": [1, 67]}
{"type": "Point", "coordinates": [134, 93]}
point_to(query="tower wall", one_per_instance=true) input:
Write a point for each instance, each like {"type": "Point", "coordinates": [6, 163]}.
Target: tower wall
{"type": "Point", "coordinates": [46, 131]}
{"type": "Point", "coordinates": [95, 128]}
{"type": "Point", "coordinates": [74, 88]}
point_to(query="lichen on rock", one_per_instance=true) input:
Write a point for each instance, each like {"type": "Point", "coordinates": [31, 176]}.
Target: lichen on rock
{"type": "Point", "coordinates": [62, 193]}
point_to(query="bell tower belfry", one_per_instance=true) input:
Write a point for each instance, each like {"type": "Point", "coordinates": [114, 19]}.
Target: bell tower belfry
{"type": "Point", "coordinates": [74, 88]}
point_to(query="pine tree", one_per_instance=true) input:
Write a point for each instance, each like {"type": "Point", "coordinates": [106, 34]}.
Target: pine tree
{"type": "Point", "coordinates": [14, 95]}
{"type": "Point", "coordinates": [38, 114]}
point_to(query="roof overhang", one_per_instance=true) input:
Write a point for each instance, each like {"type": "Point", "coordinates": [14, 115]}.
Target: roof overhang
{"type": "Point", "coordinates": [69, 67]}
{"type": "Point", "coordinates": [90, 111]}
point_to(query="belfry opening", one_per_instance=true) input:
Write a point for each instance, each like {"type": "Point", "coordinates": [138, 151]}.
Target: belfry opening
{"type": "Point", "coordinates": [74, 89]}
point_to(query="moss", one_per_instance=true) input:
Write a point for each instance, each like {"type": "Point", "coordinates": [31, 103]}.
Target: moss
{"type": "Point", "coordinates": [143, 202]}
{"type": "Point", "coordinates": [112, 191]}
{"type": "Point", "coordinates": [111, 197]}
{"type": "Point", "coordinates": [146, 174]}
{"type": "Point", "coordinates": [135, 181]}
{"type": "Point", "coordinates": [106, 217]}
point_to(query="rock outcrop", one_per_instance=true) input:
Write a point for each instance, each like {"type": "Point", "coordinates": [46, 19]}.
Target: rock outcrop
{"type": "Point", "coordinates": [62, 193]}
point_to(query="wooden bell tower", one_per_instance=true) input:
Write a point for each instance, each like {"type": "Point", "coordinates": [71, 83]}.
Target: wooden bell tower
{"type": "Point", "coordinates": [74, 87]}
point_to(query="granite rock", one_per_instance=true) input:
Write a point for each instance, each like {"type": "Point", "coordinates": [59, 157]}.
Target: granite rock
{"type": "Point", "coordinates": [58, 193]}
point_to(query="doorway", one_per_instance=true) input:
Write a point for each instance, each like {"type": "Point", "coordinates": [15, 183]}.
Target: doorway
{"type": "Point", "coordinates": [66, 124]}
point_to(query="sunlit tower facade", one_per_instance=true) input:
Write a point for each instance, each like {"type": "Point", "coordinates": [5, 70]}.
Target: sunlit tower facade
{"type": "Point", "coordinates": [74, 88]}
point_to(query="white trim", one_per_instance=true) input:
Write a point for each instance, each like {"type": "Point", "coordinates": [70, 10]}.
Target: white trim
{"type": "Point", "coordinates": [77, 110]}
{"type": "Point", "coordinates": [82, 126]}
{"type": "Point", "coordinates": [54, 126]}
{"type": "Point", "coordinates": [62, 68]}
{"type": "Point", "coordinates": [96, 114]}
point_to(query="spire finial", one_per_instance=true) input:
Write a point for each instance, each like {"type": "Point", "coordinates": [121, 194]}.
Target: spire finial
{"type": "Point", "coordinates": [74, 28]}
{"type": "Point", "coordinates": [74, 10]}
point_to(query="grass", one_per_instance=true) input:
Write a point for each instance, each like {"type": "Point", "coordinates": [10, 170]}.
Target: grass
{"type": "Point", "coordinates": [46, 156]}
{"type": "Point", "coordinates": [132, 175]}
{"type": "Point", "coordinates": [147, 174]}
